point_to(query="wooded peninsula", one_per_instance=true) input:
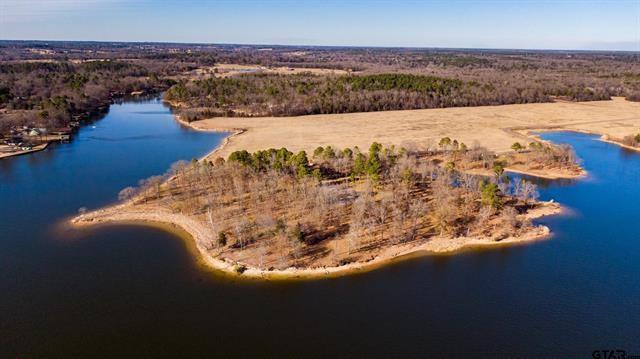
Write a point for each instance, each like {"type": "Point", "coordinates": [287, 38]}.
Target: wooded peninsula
{"type": "Point", "coordinates": [275, 213]}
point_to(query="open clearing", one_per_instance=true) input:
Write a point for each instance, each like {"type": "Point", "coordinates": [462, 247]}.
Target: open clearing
{"type": "Point", "coordinates": [228, 70]}
{"type": "Point", "coordinates": [495, 127]}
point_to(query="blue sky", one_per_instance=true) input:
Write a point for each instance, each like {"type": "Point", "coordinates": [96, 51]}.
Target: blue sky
{"type": "Point", "coordinates": [547, 24]}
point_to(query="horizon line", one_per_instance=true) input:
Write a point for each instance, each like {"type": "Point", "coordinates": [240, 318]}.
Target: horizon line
{"type": "Point", "coordinates": [324, 46]}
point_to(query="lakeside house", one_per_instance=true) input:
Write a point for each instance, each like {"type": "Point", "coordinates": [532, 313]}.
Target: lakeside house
{"type": "Point", "coordinates": [13, 141]}
{"type": "Point", "coordinates": [25, 138]}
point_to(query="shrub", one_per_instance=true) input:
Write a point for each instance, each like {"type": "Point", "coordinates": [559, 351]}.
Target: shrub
{"type": "Point", "coordinates": [240, 268]}
{"type": "Point", "coordinates": [498, 169]}
{"type": "Point", "coordinates": [318, 152]}
{"type": "Point", "coordinates": [359, 164]}
{"type": "Point", "coordinates": [450, 166]}
{"type": "Point", "coordinates": [317, 174]}
{"type": "Point", "coordinates": [491, 195]}
{"type": "Point", "coordinates": [296, 233]}
{"type": "Point", "coordinates": [329, 153]}
{"type": "Point", "coordinates": [281, 226]}
{"type": "Point", "coordinates": [373, 165]}
{"type": "Point", "coordinates": [222, 239]}
{"type": "Point", "coordinates": [634, 96]}
{"type": "Point", "coordinates": [631, 140]}
{"type": "Point", "coordinates": [517, 147]}
{"type": "Point", "coordinates": [535, 145]}
{"type": "Point", "coordinates": [243, 157]}
{"type": "Point", "coordinates": [444, 142]}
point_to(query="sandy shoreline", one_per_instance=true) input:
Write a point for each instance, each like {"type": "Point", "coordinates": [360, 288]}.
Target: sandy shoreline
{"type": "Point", "coordinates": [604, 139]}
{"type": "Point", "coordinates": [550, 175]}
{"type": "Point", "coordinates": [200, 235]}
{"type": "Point", "coordinates": [215, 151]}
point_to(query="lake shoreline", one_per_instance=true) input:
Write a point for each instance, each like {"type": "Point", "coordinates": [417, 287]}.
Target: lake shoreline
{"type": "Point", "coordinates": [256, 133]}
{"type": "Point", "coordinates": [604, 138]}
{"type": "Point", "coordinates": [550, 174]}
{"type": "Point", "coordinates": [37, 148]}
{"type": "Point", "coordinates": [125, 213]}
{"type": "Point", "coordinates": [200, 234]}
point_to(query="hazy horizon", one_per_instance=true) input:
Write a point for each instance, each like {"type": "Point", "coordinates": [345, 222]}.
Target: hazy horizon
{"type": "Point", "coordinates": [314, 46]}
{"type": "Point", "coordinates": [463, 24]}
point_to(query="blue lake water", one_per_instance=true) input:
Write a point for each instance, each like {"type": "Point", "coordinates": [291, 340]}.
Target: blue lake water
{"type": "Point", "coordinates": [137, 292]}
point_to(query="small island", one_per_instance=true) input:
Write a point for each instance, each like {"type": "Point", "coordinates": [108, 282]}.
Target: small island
{"type": "Point", "coordinates": [277, 214]}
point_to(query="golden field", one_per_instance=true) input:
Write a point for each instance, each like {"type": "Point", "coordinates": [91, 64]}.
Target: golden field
{"type": "Point", "coordinates": [495, 127]}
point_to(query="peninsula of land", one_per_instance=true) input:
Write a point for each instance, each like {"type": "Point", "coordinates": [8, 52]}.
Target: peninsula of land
{"type": "Point", "coordinates": [337, 159]}
{"type": "Point", "coordinates": [279, 214]}
{"type": "Point", "coordinates": [309, 210]}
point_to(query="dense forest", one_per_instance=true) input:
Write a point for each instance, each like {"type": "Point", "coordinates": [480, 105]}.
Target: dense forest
{"type": "Point", "coordinates": [50, 94]}
{"type": "Point", "coordinates": [290, 95]}
{"type": "Point", "coordinates": [391, 79]}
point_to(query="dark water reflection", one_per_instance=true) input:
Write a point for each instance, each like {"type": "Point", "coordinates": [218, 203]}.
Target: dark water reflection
{"type": "Point", "coordinates": [135, 291]}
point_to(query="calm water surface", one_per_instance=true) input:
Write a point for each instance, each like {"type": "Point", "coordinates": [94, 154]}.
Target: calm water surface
{"type": "Point", "coordinates": [137, 292]}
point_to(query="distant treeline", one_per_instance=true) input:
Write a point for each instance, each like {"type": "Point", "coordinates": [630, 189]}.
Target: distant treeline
{"type": "Point", "coordinates": [302, 94]}
{"type": "Point", "coordinates": [47, 83]}
{"type": "Point", "coordinates": [49, 94]}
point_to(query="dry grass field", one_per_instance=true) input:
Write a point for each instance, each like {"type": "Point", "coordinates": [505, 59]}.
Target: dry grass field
{"type": "Point", "coordinates": [495, 127]}
{"type": "Point", "coordinates": [228, 70]}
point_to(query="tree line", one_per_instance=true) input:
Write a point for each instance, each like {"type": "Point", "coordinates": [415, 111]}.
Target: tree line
{"type": "Point", "coordinates": [46, 83]}
{"type": "Point", "coordinates": [305, 94]}
{"type": "Point", "coordinates": [50, 94]}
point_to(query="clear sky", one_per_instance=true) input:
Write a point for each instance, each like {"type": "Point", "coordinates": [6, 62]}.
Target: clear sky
{"type": "Point", "coordinates": [546, 24]}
